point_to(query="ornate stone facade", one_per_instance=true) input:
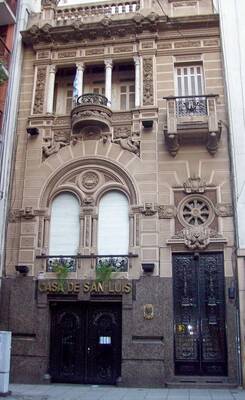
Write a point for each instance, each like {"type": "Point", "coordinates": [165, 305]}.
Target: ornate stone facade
{"type": "Point", "coordinates": [87, 150]}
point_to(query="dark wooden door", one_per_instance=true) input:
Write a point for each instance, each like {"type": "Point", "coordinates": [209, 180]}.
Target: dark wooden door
{"type": "Point", "coordinates": [85, 342]}
{"type": "Point", "coordinates": [199, 314]}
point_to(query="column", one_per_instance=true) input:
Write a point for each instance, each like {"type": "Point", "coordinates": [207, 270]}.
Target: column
{"type": "Point", "coordinates": [51, 82]}
{"type": "Point", "coordinates": [108, 80]}
{"type": "Point", "coordinates": [78, 82]}
{"type": "Point", "coordinates": [137, 81]}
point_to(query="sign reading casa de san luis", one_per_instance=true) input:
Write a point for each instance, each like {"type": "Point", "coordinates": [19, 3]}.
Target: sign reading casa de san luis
{"type": "Point", "coordinates": [110, 287]}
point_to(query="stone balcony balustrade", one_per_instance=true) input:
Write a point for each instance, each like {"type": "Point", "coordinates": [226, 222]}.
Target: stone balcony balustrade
{"type": "Point", "coordinates": [192, 119]}
{"type": "Point", "coordinates": [67, 15]}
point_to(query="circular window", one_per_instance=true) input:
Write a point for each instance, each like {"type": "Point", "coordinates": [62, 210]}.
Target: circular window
{"type": "Point", "coordinates": [195, 211]}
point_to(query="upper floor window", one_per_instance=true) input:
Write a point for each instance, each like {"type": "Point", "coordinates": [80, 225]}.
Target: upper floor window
{"type": "Point", "coordinates": [127, 96]}
{"type": "Point", "coordinates": [189, 80]}
{"type": "Point", "coordinates": [64, 225]}
{"type": "Point", "coordinates": [113, 224]}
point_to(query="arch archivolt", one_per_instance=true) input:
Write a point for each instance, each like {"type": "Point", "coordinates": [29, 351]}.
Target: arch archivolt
{"type": "Point", "coordinates": [89, 178]}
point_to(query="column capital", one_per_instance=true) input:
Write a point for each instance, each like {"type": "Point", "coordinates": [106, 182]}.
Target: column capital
{"type": "Point", "coordinates": [80, 66]}
{"type": "Point", "coordinates": [52, 69]}
{"type": "Point", "coordinates": [137, 60]}
{"type": "Point", "coordinates": [108, 63]}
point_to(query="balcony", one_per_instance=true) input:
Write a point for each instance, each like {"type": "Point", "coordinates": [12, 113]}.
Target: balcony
{"type": "Point", "coordinates": [192, 120]}
{"type": "Point", "coordinates": [91, 112]}
{"type": "Point", "coordinates": [65, 15]}
{"type": "Point", "coordinates": [7, 12]}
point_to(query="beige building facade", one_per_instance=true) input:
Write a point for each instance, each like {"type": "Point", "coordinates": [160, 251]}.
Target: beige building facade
{"type": "Point", "coordinates": [122, 159]}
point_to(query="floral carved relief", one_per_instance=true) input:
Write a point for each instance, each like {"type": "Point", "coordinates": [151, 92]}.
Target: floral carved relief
{"type": "Point", "coordinates": [148, 93]}
{"type": "Point", "coordinates": [40, 89]}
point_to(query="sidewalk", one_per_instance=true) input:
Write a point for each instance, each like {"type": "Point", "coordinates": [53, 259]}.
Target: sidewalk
{"type": "Point", "coordinates": [94, 392]}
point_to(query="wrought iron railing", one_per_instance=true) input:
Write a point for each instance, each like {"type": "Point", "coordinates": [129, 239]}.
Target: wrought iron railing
{"type": "Point", "coordinates": [191, 106]}
{"type": "Point", "coordinates": [92, 98]}
{"type": "Point", "coordinates": [119, 262]}
{"type": "Point", "coordinates": [53, 261]}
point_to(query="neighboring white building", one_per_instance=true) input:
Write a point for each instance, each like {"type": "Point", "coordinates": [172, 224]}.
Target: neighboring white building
{"type": "Point", "coordinates": [24, 7]}
{"type": "Point", "coordinates": [232, 14]}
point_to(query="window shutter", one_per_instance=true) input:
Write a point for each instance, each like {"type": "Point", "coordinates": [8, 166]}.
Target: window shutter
{"type": "Point", "coordinates": [64, 225]}
{"type": "Point", "coordinates": [113, 224]}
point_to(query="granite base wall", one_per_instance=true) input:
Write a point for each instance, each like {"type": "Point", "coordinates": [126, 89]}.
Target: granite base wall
{"type": "Point", "coordinates": [147, 344]}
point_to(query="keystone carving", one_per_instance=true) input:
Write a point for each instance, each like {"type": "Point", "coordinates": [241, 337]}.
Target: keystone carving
{"type": "Point", "coordinates": [194, 185]}
{"type": "Point", "coordinates": [197, 237]}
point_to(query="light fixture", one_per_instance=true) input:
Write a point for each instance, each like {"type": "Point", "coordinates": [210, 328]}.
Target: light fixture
{"type": "Point", "coordinates": [22, 269]}
{"type": "Point", "coordinates": [32, 131]}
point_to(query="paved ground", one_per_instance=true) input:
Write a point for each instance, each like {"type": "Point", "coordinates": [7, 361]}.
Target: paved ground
{"type": "Point", "coordinates": [94, 392]}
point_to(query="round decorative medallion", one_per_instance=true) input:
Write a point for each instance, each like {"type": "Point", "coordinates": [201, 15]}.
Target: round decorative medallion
{"type": "Point", "coordinates": [89, 180]}
{"type": "Point", "coordinates": [195, 211]}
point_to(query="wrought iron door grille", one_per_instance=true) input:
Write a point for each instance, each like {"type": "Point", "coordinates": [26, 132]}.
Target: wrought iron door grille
{"type": "Point", "coordinates": [199, 314]}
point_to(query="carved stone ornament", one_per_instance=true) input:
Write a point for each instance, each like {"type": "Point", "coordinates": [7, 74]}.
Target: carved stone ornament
{"type": "Point", "coordinates": [149, 209]}
{"type": "Point", "coordinates": [195, 211]}
{"type": "Point", "coordinates": [148, 311]}
{"type": "Point", "coordinates": [194, 185]}
{"type": "Point", "coordinates": [224, 209]}
{"type": "Point", "coordinates": [25, 213]}
{"type": "Point", "coordinates": [166, 211]}
{"type": "Point", "coordinates": [198, 237]}
{"type": "Point", "coordinates": [88, 181]}
{"type": "Point", "coordinates": [131, 144]}
{"type": "Point", "coordinates": [148, 97]}
{"type": "Point", "coordinates": [122, 131]}
{"type": "Point", "coordinates": [52, 146]}
{"type": "Point", "coordinates": [40, 89]}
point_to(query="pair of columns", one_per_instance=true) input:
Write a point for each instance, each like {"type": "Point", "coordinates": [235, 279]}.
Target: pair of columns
{"type": "Point", "coordinates": [79, 83]}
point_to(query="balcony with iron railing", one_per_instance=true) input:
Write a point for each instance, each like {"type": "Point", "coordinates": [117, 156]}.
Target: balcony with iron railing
{"type": "Point", "coordinates": [89, 110]}
{"type": "Point", "coordinates": [192, 119]}
{"type": "Point", "coordinates": [7, 12]}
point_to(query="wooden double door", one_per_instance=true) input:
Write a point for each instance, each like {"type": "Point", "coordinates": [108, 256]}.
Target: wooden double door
{"type": "Point", "coordinates": [199, 314]}
{"type": "Point", "coordinates": [85, 342]}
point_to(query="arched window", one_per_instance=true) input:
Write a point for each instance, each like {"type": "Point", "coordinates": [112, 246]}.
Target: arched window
{"type": "Point", "coordinates": [64, 225]}
{"type": "Point", "coordinates": [113, 224]}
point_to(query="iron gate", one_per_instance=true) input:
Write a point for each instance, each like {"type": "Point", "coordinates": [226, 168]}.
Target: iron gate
{"type": "Point", "coordinates": [199, 314]}
{"type": "Point", "coordinates": [85, 342]}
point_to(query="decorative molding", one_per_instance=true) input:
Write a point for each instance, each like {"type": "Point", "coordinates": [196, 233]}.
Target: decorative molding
{"type": "Point", "coordinates": [40, 90]}
{"type": "Point", "coordinates": [148, 93]}
{"type": "Point", "coordinates": [224, 209]}
{"type": "Point", "coordinates": [197, 237]}
{"type": "Point", "coordinates": [194, 185]}
{"type": "Point", "coordinates": [166, 211]}
{"type": "Point", "coordinates": [26, 213]}
{"type": "Point", "coordinates": [122, 131]}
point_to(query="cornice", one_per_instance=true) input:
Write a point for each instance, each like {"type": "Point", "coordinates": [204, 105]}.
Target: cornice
{"type": "Point", "coordinates": [109, 28]}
